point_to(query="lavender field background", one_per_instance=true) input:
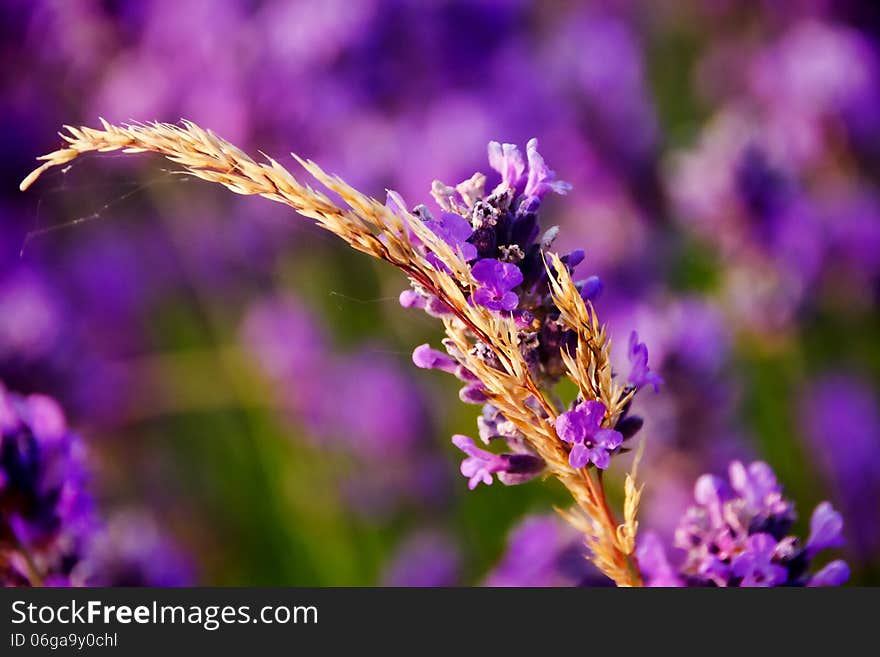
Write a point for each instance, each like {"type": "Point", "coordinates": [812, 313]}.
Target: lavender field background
{"type": "Point", "coordinates": [242, 385]}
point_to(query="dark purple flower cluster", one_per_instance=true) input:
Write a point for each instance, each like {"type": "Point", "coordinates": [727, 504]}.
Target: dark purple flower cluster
{"type": "Point", "coordinates": [737, 535]}
{"type": "Point", "coordinates": [46, 512]}
{"type": "Point", "coordinates": [499, 233]}
{"type": "Point", "coordinates": [50, 530]}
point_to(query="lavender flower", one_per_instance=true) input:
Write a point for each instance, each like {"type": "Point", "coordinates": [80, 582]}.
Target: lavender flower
{"type": "Point", "coordinates": [508, 161]}
{"type": "Point", "coordinates": [591, 288]}
{"type": "Point", "coordinates": [480, 465]}
{"type": "Point", "coordinates": [454, 230]}
{"type": "Point", "coordinates": [737, 535]}
{"type": "Point", "coordinates": [498, 280]}
{"type": "Point", "coordinates": [431, 359]}
{"type": "Point", "coordinates": [513, 367]}
{"type": "Point", "coordinates": [640, 375]}
{"type": "Point", "coordinates": [542, 179]}
{"type": "Point", "coordinates": [582, 428]}
{"type": "Point", "coordinates": [826, 529]}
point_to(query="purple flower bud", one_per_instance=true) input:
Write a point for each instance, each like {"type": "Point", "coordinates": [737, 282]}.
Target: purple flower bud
{"type": "Point", "coordinates": [520, 468]}
{"type": "Point", "coordinates": [640, 375]}
{"type": "Point", "coordinates": [711, 492]}
{"type": "Point", "coordinates": [429, 303]}
{"type": "Point", "coordinates": [431, 359]}
{"type": "Point", "coordinates": [629, 426]}
{"type": "Point", "coordinates": [492, 424]}
{"type": "Point", "coordinates": [574, 258]}
{"type": "Point", "coordinates": [826, 528]}
{"type": "Point", "coordinates": [733, 536]}
{"type": "Point", "coordinates": [46, 507]}
{"type": "Point", "coordinates": [508, 161]}
{"type": "Point", "coordinates": [436, 308]}
{"type": "Point", "coordinates": [412, 299]}
{"type": "Point", "coordinates": [591, 288]}
{"type": "Point", "coordinates": [834, 573]}
{"type": "Point", "coordinates": [45, 417]}
{"type": "Point", "coordinates": [480, 465]}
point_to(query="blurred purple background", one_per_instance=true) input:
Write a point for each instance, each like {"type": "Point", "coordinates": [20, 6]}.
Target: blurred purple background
{"type": "Point", "coordinates": [243, 382]}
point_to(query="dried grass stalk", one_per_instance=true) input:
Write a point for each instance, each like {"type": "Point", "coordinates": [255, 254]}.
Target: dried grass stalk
{"type": "Point", "coordinates": [370, 227]}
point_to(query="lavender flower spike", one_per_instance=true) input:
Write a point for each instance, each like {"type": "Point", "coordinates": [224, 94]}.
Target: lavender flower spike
{"type": "Point", "coordinates": [454, 230]}
{"type": "Point", "coordinates": [826, 529]}
{"type": "Point", "coordinates": [755, 566]}
{"type": "Point", "coordinates": [431, 359]}
{"type": "Point", "coordinates": [835, 573]}
{"type": "Point", "coordinates": [591, 443]}
{"type": "Point", "coordinates": [513, 355]}
{"type": "Point", "coordinates": [735, 535]}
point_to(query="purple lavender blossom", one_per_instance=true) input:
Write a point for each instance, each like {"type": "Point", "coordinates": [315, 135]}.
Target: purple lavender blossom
{"type": "Point", "coordinates": [455, 231]}
{"type": "Point", "coordinates": [834, 573]}
{"type": "Point", "coordinates": [493, 425]}
{"type": "Point", "coordinates": [542, 179]}
{"type": "Point", "coordinates": [506, 234]}
{"type": "Point", "coordinates": [737, 535]}
{"type": "Point", "coordinates": [419, 299]}
{"type": "Point", "coordinates": [426, 358]}
{"type": "Point", "coordinates": [590, 288]}
{"type": "Point", "coordinates": [497, 281]}
{"type": "Point", "coordinates": [508, 161]}
{"type": "Point", "coordinates": [48, 514]}
{"type": "Point", "coordinates": [480, 465]}
{"type": "Point", "coordinates": [640, 375]}
{"type": "Point", "coordinates": [755, 566]}
{"type": "Point", "coordinates": [473, 393]}
{"type": "Point", "coordinates": [431, 359]}
{"type": "Point", "coordinates": [826, 529]}
{"type": "Point", "coordinates": [582, 428]}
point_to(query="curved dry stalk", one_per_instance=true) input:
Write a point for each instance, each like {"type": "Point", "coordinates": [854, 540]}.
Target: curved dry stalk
{"type": "Point", "coordinates": [392, 234]}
